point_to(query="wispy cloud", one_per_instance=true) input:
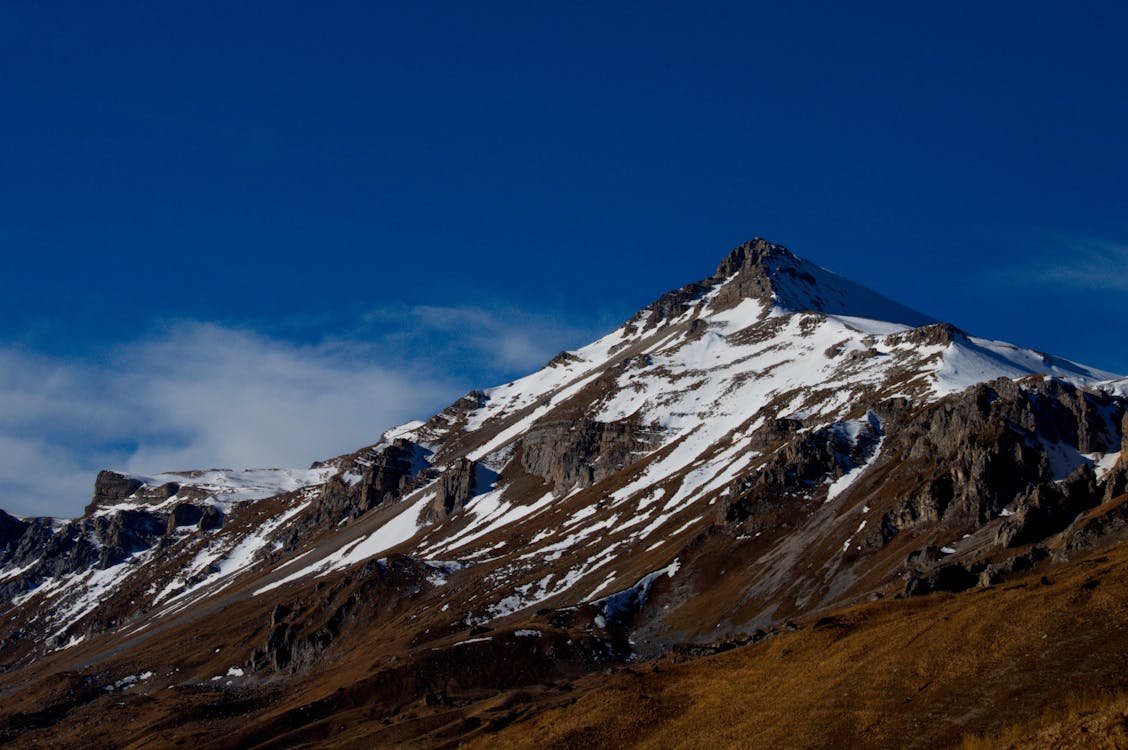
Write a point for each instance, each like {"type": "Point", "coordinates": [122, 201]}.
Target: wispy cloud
{"type": "Point", "coordinates": [201, 395]}
{"type": "Point", "coordinates": [1078, 262]}
{"type": "Point", "coordinates": [484, 340]}
{"type": "Point", "coordinates": [196, 397]}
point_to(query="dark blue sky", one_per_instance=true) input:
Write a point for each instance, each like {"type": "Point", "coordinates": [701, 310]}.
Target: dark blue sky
{"type": "Point", "coordinates": [318, 173]}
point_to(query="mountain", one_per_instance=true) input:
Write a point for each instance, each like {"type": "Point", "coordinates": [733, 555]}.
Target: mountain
{"type": "Point", "coordinates": [753, 459]}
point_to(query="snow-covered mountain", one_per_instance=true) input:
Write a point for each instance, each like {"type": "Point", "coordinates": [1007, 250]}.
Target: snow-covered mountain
{"type": "Point", "coordinates": [772, 442]}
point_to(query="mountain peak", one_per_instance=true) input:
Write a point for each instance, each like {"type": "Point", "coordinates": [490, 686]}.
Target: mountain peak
{"type": "Point", "coordinates": [756, 253]}
{"type": "Point", "coordinates": [724, 465]}
{"type": "Point", "coordinates": [771, 273]}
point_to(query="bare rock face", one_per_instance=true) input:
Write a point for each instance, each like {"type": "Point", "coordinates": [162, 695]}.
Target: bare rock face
{"type": "Point", "coordinates": [300, 632]}
{"type": "Point", "coordinates": [1116, 483]}
{"type": "Point", "coordinates": [799, 462]}
{"type": "Point", "coordinates": [184, 514]}
{"type": "Point", "coordinates": [570, 453]}
{"type": "Point", "coordinates": [670, 305]}
{"type": "Point", "coordinates": [95, 542]}
{"type": "Point", "coordinates": [211, 519]}
{"type": "Point", "coordinates": [386, 478]}
{"type": "Point", "coordinates": [936, 334]}
{"type": "Point", "coordinates": [1049, 508]}
{"type": "Point", "coordinates": [111, 487]}
{"type": "Point", "coordinates": [457, 484]}
{"type": "Point", "coordinates": [454, 416]}
{"type": "Point", "coordinates": [122, 533]}
{"type": "Point", "coordinates": [752, 264]}
{"type": "Point", "coordinates": [385, 474]}
{"type": "Point", "coordinates": [966, 458]}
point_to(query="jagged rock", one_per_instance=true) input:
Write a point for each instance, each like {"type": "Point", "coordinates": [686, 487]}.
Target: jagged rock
{"type": "Point", "coordinates": [951, 578]}
{"type": "Point", "coordinates": [457, 484]}
{"type": "Point", "coordinates": [747, 262]}
{"type": "Point", "coordinates": [184, 514]}
{"type": "Point", "coordinates": [997, 572]}
{"type": "Point", "coordinates": [1049, 508]}
{"type": "Point", "coordinates": [801, 463]}
{"type": "Point", "coordinates": [119, 535]}
{"type": "Point", "coordinates": [570, 453]}
{"type": "Point", "coordinates": [111, 487]}
{"type": "Point", "coordinates": [1107, 528]}
{"type": "Point", "coordinates": [386, 474]}
{"type": "Point", "coordinates": [455, 415]}
{"type": "Point", "coordinates": [937, 334]}
{"type": "Point", "coordinates": [1116, 483]}
{"type": "Point", "coordinates": [563, 358]}
{"type": "Point", "coordinates": [978, 451]}
{"type": "Point", "coordinates": [385, 479]}
{"type": "Point", "coordinates": [211, 519]}
{"type": "Point", "coordinates": [774, 432]}
{"type": "Point", "coordinates": [672, 304]}
{"type": "Point", "coordinates": [299, 634]}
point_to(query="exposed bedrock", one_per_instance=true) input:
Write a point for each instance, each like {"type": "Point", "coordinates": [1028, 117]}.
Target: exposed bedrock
{"type": "Point", "coordinates": [457, 484]}
{"type": "Point", "coordinates": [568, 453]}
{"type": "Point", "coordinates": [754, 263]}
{"type": "Point", "coordinates": [964, 459]}
{"type": "Point", "coordinates": [111, 487]}
{"type": "Point", "coordinates": [385, 475]}
{"type": "Point", "coordinates": [803, 461]}
{"type": "Point", "coordinates": [298, 632]}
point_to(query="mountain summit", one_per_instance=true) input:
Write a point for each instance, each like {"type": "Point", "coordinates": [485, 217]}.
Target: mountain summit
{"type": "Point", "coordinates": [750, 453]}
{"type": "Point", "coordinates": [774, 275]}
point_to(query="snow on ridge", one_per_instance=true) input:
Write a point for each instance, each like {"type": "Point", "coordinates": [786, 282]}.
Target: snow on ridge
{"type": "Point", "coordinates": [395, 530]}
{"type": "Point", "coordinates": [972, 360]}
{"type": "Point", "coordinates": [800, 285]}
{"type": "Point", "coordinates": [636, 594]}
{"type": "Point", "coordinates": [224, 487]}
{"type": "Point", "coordinates": [1115, 387]}
{"type": "Point", "coordinates": [248, 484]}
{"type": "Point", "coordinates": [552, 378]}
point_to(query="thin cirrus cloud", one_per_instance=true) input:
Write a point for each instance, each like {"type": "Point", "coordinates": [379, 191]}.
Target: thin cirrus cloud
{"type": "Point", "coordinates": [1081, 263]}
{"type": "Point", "coordinates": [494, 341]}
{"type": "Point", "coordinates": [203, 395]}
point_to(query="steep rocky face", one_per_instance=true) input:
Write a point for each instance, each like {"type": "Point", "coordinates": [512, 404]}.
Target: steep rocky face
{"type": "Point", "coordinates": [385, 478]}
{"type": "Point", "coordinates": [111, 487]}
{"type": "Point", "coordinates": [773, 276]}
{"type": "Point", "coordinates": [300, 632]}
{"type": "Point", "coordinates": [569, 454]}
{"type": "Point", "coordinates": [752, 266]}
{"type": "Point", "coordinates": [460, 482]}
{"type": "Point", "coordinates": [982, 449]}
{"type": "Point", "coordinates": [762, 446]}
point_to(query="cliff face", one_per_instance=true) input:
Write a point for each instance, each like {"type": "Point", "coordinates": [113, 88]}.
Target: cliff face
{"type": "Point", "coordinates": [762, 447]}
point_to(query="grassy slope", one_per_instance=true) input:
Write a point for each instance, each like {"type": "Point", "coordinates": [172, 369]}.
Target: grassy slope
{"type": "Point", "coordinates": [1031, 663]}
{"type": "Point", "coordinates": [1027, 662]}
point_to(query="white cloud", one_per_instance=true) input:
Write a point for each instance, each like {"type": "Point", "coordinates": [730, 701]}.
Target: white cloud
{"type": "Point", "coordinates": [198, 396]}
{"type": "Point", "coordinates": [201, 395]}
{"type": "Point", "coordinates": [498, 340]}
{"type": "Point", "coordinates": [1080, 262]}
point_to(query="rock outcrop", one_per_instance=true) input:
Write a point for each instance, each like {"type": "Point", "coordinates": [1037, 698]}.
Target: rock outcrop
{"type": "Point", "coordinates": [574, 453]}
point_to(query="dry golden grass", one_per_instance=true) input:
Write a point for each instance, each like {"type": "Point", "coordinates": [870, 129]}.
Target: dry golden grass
{"type": "Point", "coordinates": [981, 667]}
{"type": "Point", "coordinates": [1092, 719]}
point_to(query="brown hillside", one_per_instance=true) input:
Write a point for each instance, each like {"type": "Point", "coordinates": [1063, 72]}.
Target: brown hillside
{"type": "Point", "coordinates": [909, 673]}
